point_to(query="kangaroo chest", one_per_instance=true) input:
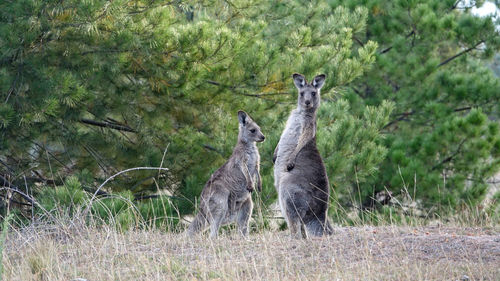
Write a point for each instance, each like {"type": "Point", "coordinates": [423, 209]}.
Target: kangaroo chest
{"type": "Point", "coordinates": [291, 134]}
{"type": "Point", "coordinates": [252, 161]}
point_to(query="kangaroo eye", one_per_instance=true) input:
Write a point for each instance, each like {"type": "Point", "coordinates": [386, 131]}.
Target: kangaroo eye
{"type": "Point", "coordinates": [301, 94]}
{"type": "Point", "coordinates": [313, 94]}
{"type": "Point", "coordinates": [252, 131]}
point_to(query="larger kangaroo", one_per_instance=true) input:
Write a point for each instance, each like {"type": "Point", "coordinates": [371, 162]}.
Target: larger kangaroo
{"type": "Point", "coordinates": [226, 197]}
{"type": "Point", "coordinates": [299, 173]}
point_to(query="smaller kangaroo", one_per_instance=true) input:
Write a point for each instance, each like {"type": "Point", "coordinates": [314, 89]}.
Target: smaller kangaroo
{"type": "Point", "coordinates": [299, 173]}
{"type": "Point", "coordinates": [226, 197]}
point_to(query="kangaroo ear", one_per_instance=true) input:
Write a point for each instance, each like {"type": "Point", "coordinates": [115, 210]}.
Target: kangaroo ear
{"type": "Point", "coordinates": [242, 117]}
{"type": "Point", "coordinates": [318, 81]}
{"type": "Point", "coordinates": [299, 80]}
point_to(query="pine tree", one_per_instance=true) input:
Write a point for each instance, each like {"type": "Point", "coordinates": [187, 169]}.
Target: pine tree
{"type": "Point", "coordinates": [432, 63]}
{"type": "Point", "coordinates": [91, 88]}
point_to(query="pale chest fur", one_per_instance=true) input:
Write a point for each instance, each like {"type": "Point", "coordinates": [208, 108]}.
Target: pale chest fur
{"type": "Point", "coordinates": [290, 136]}
{"type": "Point", "coordinates": [253, 158]}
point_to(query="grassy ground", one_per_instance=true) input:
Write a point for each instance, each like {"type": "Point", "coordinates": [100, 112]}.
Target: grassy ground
{"type": "Point", "coordinates": [352, 253]}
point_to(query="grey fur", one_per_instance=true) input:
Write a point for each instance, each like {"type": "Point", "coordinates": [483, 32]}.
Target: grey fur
{"type": "Point", "coordinates": [299, 173]}
{"type": "Point", "coordinates": [226, 197]}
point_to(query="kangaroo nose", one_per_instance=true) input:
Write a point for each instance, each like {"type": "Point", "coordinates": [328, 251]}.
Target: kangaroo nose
{"type": "Point", "coordinates": [308, 102]}
{"type": "Point", "coordinates": [262, 138]}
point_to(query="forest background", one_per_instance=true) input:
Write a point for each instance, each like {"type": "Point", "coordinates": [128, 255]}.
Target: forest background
{"type": "Point", "coordinates": [408, 126]}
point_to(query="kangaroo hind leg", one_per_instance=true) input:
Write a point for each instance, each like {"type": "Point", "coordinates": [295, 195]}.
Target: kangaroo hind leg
{"type": "Point", "coordinates": [295, 213]}
{"type": "Point", "coordinates": [244, 215]}
{"type": "Point", "coordinates": [218, 207]}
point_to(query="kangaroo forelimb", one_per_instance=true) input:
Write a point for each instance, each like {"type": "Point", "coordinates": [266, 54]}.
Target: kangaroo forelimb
{"type": "Point", "coordinates": [246, 173]}
{"type": "Point", "coordinates": [308, 133]}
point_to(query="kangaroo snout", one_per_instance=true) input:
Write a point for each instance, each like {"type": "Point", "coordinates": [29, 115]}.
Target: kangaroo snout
{"type": "Point", "coordinates": [262, 138]}
{"type": "Point", "coordinates": [308, 102]}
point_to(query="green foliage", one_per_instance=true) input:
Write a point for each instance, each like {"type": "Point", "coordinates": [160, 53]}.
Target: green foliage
{"type": "Point", "coordinates": [117, 210]}
{"type": "Point", "coordinates": [103, 86]}
{"type": "Point", "coordinates": [351, 146]}
{"type": "Point", "coordinates": [159, 212]}
{"type": "Point", "coordinates": [441, 138]}
{"type": "Point", "coordinates": [90, 88]}
{"type": "Point", "coordinates": [65, 199]}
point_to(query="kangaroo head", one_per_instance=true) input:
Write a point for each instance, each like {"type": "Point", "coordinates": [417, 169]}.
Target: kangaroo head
{"type": "Point", "coordinates": [249, 131]}
{"type": "Point", "coordinates": [308, 93]}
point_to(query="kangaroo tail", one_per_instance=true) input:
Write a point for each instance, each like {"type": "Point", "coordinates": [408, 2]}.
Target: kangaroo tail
{"type": "Point", "coordinates": [198, 224]}
{"type": "Point", "coordinates": [319, 227]}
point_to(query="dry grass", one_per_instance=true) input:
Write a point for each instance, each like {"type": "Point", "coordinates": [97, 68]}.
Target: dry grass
{"type": "Point", "coordinates": [352, 253]}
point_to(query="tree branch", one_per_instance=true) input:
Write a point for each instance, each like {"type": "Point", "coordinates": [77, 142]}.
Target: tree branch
{"type": "Point", "coordinates": [459, 54]}
{"type": "Point", "coordinates": [261, 95]}
{"type": "Point", "coordinates": [8, 185]}
{"type": "Point", "coordinates": [455, 5]}
{"type": "Point", "coordinates": [358, 41]}
{"type": "Point", "coordinates": [389, 48]}
{"type": "Point", "coordinates": [462, 108]}
{"type": "Point", "coordinates": [98, 192]}
{"type": "Point", "coordinates": [401, 117]}
{"type": "Point", "coordinates": [209, 147]}
{"type": "Point", "coordinates": [148, 8]}
{"type": "Point", "coordinates": [404, 115]}
{"type": "Point", "coordinates": [449, 158]}
{"type": "Point", "coordinates": [106, 124]}
{"type": "Point", "coordinates": [16, 202]}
